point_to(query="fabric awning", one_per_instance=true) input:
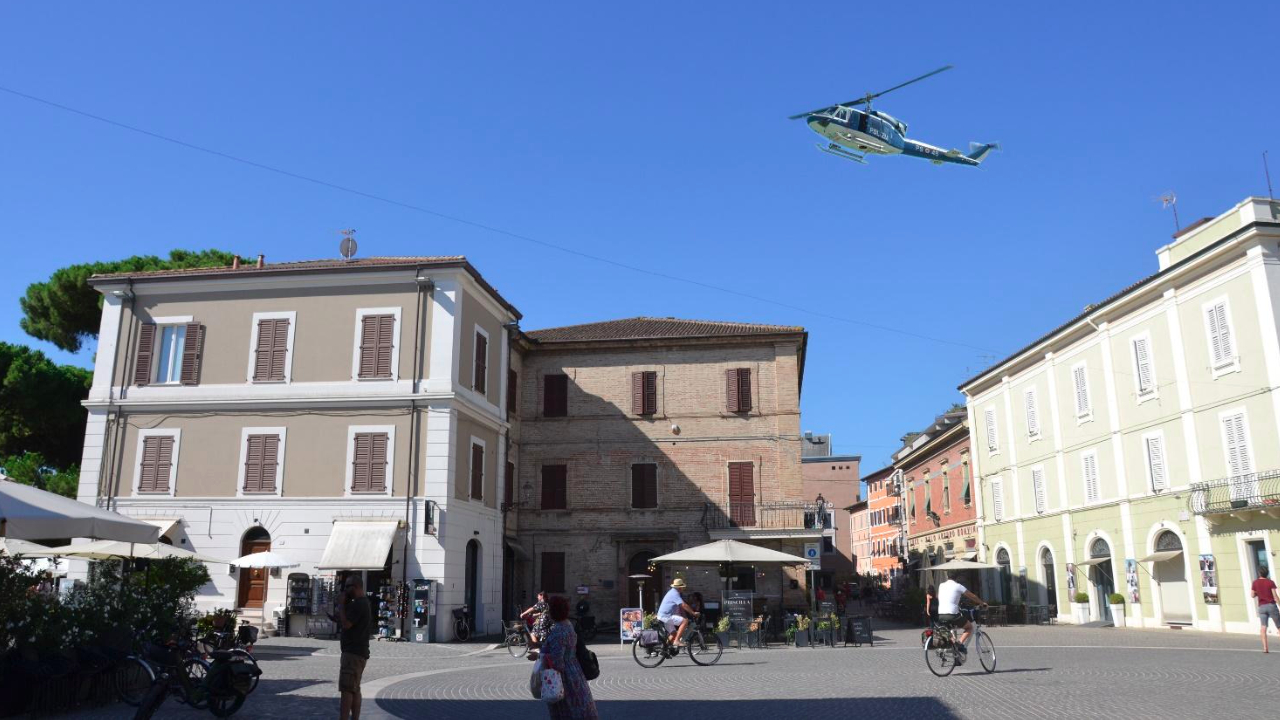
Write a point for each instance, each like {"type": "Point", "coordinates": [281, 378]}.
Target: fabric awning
{"type": "Point", "coordinates": [1161, 556]}
{"type": "Point", "coordinates": [165, 524]}
{"type": "Point", "coordinates": [1093, 561]}
{"type": "Point", "coordinates": [515, 548]}
{"type": "Point", "coordinates": [359, 545]}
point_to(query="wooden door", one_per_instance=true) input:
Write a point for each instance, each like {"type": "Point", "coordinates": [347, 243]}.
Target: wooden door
{"type": "Point", "coordinates": [742, 494]}
{"type": "Point", "coordinates": [253, 581]}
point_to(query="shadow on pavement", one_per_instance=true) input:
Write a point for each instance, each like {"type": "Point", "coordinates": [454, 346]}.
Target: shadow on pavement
{"type": "Point", "coordinates": [888, 707]}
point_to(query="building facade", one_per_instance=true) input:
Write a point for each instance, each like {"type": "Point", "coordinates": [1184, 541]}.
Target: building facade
{"type": "Point", "coordinates": [940, 515]}
{"type": "Point", "coordinates": [884, 510]}
{"type": "Point", "coordinates": [834, 479]}
{"type": "Point", "coordinates": [1134, 448]}
{"type": "Point", "coordinates": [858, 519]}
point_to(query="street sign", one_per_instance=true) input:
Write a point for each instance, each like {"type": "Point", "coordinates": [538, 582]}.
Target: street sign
{"type": "Point", "coordinates": [813, 553]}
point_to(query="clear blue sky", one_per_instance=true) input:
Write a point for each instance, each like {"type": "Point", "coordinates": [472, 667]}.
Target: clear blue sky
{"type": "Point", "coordinates": [655, 136]}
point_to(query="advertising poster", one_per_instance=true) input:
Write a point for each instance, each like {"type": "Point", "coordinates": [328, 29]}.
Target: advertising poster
{"type": "Point", "coordinates": [1209, 579]}
{"type": "Point", "coordinates": [1071, 581]}
{"type": "Point", "coordinates": [630, 622]}
{"type": "Point", "coordinates": [1131, 579]}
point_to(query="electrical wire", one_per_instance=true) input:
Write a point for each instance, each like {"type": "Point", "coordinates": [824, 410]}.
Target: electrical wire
{"type": "Point", "coordinates": [482, 226]}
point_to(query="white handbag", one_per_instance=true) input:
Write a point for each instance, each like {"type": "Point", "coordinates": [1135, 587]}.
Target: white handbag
{"type": "Point", "coordinates": [552, 687]}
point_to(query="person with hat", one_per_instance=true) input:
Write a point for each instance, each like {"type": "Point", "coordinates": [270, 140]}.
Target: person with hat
{"type": "Point", "coordinates": [669, 612]}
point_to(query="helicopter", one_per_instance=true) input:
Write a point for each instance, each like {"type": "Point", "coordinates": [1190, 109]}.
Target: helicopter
{"type": "Point", "coordinates": [855, 133]}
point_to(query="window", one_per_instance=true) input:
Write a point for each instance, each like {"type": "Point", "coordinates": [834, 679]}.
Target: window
{"type": "Point", "coordinates": [169, 366]}
{"type": "Point", "coordinates": [555, 395]}
{"type": "Point", "coordinates": [1033, 417]}
{"type": "Point", "coordinates": [644, 393]}
{"type": "Point", "coordinates": [989, 420]}
{"type": "Point", "coordinates": [966, 494]}
{"type": "Point", "coordinates": [477, 469]}
{"type": "Point", "coordinates": [513, 385]}
{"type": "Point", "coordinates": [480, 366]}
{"type": "Point", "coordinates": [261, 460]}
{"type": "Point", "coordinates": [553, 572]}
{"type": "Point", "coordinates": [157, 463]}
{"type": "Point", "coordinates": [1080, 377]}
{"type": "Point", "coordinates": [742, 494]}
{"type": "Point", "coordinates": [946, 492]}
{"type": "Point", "coordinates": [555, 494]}
{"type": "Point", "coordinates": [828, 544]}
{"type": "Point", "coordinates": [928, 498]}
{"type": "Point", "coordinates": [1157, 474]}
{"type": "Point", "coordinates": [509, 484]}
{"type": "Point", "coordinates": [644, 485]}
{"type": "Point", "coordinates": [997, 499]}
{"type": "Point", "coordinates": [738, 389]}
{"type": "Point", "coordinates": [370, 451]}
{"type": "Point", "coordinates": [1089, 466]}
{"type": "Point", "coordinates": [272, 347]}
{"type": "Point", "coordinates": [377, 350]}
{"type": "Point", "coordinates": [1037, 486]}
{"type": "Point", "coordinates": [1144, 373]}
{"type": "Point", "coordinates": [173, 357]}
{"type": "Point", "coordinates": [1236, 436]}
{"type": "Point", "coordinates": [1222, 350]}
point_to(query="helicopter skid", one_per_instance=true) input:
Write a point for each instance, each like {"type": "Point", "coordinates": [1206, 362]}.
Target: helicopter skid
{"type": "Point", "coordinates": [834, 149]}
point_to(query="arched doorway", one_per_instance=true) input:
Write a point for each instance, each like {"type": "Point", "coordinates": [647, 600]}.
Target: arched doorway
{"type": "Point", "coordinates": [1100, 575]}
{"type": "Point", "coordinates": [1006, 576]}
{"type": "Point", "coordinates": [1049, 580]}
{"type": "Point", "coordinates": [253, 581]}
{"type": "Point", "coordinates": [471, 584]}
{"type": "Point", "coordinates": [639, 565]}
{"type": "Point", "coordinates": [1170, 575]}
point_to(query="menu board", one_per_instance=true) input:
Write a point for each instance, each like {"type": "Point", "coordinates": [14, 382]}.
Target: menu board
{"type": "Point", "coordinates": [737, 606]}
{"type": "Point", "coordinates": [857, 630]}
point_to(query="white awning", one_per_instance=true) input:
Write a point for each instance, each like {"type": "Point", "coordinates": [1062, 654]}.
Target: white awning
{"type": "Point", "coordinates": [359, 545]}
{"type": "Point", "coordinates": [1093, 561]}
{"type": "Point", "coordinates": [165, 524]}
{"type": "Point", "coordinates": [1161, 556]}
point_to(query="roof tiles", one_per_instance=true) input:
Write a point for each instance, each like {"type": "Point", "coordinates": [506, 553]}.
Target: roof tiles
{"type": "Point", "coordinates": [648, 328]}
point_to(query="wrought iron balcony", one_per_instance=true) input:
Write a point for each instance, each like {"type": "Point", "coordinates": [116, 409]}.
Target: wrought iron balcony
{"type": "Point", "coordinates": [1239, 495]}
{"type": "Point", "coordinates": [765, 518]}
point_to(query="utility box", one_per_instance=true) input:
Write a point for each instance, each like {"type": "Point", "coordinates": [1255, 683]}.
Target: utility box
{"type": "Point", "coordinates": [420, 610]}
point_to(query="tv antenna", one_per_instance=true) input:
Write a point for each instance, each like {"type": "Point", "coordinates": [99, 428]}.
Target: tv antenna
{"type": "Point", "coordinates": [348, 245]}
{"type": "Point", "coordinates": [1170, 200]}
{"type": "Point", "coordinates": [1267, 170]}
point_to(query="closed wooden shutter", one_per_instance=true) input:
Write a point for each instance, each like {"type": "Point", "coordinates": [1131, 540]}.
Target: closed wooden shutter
{"type": "Point", "coordinates": [644, 485]}
{"type": "Point", "coordinates": [1156, 464]}
{"type": "Point", "coordinates": [272, 351]}
{"type": "Point", "coordinates": [146, 354]}
{"type": "Point", "coordinates": [1142, 360]}
{"type": "Point", "coordinates": [997, 499]}
{"type": "Point", "coordinates": [1220, 340]}
{"type": "Point", "coordinates": [513, 385]}
{"type": "Point", "coordinates": [369, 463]}
{"type": "Point", "coordinates": [1081, 376]}
{"type": "Point", "coordinates": [262, 454]}
{"type": "Point", "coordinates": [989, 420]}
{"type": "Point", "coordinates": [477, 472]}
{"type": "Point", "coordinates": [192, 347]}
{"type": "Point", "coordinates": [377, 338]}
{"type": "Point", "coordinates": [738, 389]}
{"type": "Point", "coordinates": [553, 572]}
{"type": "Point", "coordinates": [156, 465]}
{"type": "Point", "coordinates": [742, 494]}
{"type": "Point", "coordinates": [1091, 490]}
{"type": "Point", "coordinates": [555, 395]}
{"type": "Point", "coordinates": [480, 372]}
{"type": "Point", "coordinates": [509, 484]}
{"type": "Point", "coordinates": [1037, 485]}
{"type": "Point", "coordinates": [555, 495]}
{"type": "Point", "coordinates": [1033, 416]}
{"type": "Point", "coordinates": [644, 392]}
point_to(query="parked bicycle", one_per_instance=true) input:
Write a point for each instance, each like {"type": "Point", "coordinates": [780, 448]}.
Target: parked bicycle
{"type": "Point", "coordinates": [654, 646]}
{"type": "Point", "coordinates": [222, 689]}
{"type": "Point", "coordinates": [462, 624]}
{"type": "Point", "coordinates": [239, 643]}
{"type": "Point", "coordinates": [943, 651]}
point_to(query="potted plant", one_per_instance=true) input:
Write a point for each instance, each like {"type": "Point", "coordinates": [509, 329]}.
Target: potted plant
{"type": "Point", "coordinates": [1080, 607]}
{"type": "Point", "coordinates": [650, 621]}
{"type": "Point", "coordinates": [822, 632]}
{"type": "Point", "coordinates": [722, 630]}
{"type": "Point", "coordinates": [1117, 608]}
{"type": "Point", "coordinates": [802, 631]}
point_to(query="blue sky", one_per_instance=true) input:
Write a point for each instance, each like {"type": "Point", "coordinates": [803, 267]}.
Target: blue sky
{"type": "Point", "coordinates": [655, 135]}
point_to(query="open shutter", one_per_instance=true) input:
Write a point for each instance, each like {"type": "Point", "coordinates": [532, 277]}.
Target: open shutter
{"type": "Point", "coordinates": [1142, 359]}
{"type": "Point", "coordinates": [637, 393]}
{"type": "Point", "coordinates": [731, 389]}
{"type": "Point", "coordinates": [966, 494]}
{"type": "Point", "coordinates": [477, 472]}
{"type": "Point", "coordinates": [146, 354]}
{"type": "Point", "coordinates": [1037, 485]}
{"type": "Point", "coordinates": [1155, 462]}
{"type": "Point", "coordinates": [479, 381]}
{"type": "Point", "coordinates": [192, 344]}
{"type": "Point", "coordinates": [997, 499]}
{"type": "Point", "coordinates": [1033, 419]}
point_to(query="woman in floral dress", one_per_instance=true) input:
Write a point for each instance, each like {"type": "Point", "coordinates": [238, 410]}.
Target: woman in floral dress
{"type": "Point", "coordinates": [558, 653]}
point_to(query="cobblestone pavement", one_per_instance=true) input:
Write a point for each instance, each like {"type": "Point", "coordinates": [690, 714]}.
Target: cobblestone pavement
{"type": "Point", "coordinates": [1042, 672]}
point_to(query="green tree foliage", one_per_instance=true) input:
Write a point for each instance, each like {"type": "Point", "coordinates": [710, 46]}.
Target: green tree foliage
{"type": "Point", "coordinates": [32, 469]}
{"type": "Point", "coordinates": [40, 409]}
{"type": "Point", "coordinates": [65, 311]}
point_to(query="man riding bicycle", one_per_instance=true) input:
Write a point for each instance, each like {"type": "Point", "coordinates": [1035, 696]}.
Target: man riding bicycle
{"type": "Point", "coordinates": [949, 595]}
{"type": "Point", "coordinates": [669, 612]}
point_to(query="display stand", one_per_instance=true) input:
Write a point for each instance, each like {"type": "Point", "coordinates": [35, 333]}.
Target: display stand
{"type": "Point", "coordinates": [392, 606]}
{"type": "Point", "coordinates": [299, 600]}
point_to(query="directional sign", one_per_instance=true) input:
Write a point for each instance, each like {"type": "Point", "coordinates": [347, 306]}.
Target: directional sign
{"type": "Point", "coordinates": [813, 553]}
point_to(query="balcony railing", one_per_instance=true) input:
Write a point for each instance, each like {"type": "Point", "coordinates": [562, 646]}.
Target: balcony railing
{"type": "Point", "coordinates": [764, 516]}
{"type": "Point", "coordinates": [1239, 493]}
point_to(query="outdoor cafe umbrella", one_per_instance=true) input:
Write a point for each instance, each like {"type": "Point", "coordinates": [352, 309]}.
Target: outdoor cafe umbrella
{"type": "Point", "coordinates": [264, 560]}
{"type": "Point", "coordinates": [14, 547]}
{"type": "Point", "coordinates": [28, 513]}
{"type": "Point", "coordinates": [961, 565]}
{"type": "Point", "coordinates": [720, 552]}
{"type": "Point", "coordinates": [115, 550]}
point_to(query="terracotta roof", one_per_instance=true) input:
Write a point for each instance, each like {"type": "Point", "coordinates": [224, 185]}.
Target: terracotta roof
{"type": "Point", "coordinates": [248, 267]}
{"type": "Point", "coordinates": [647, 328]}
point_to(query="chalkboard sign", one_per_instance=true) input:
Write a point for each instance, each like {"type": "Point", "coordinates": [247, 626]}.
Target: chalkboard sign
{"type": "Point", "coordinates": [857, 630]}
{"type": "Point", "coordinates": [826, 608]}
{"type": "Point", "coordinates": [736, 606]}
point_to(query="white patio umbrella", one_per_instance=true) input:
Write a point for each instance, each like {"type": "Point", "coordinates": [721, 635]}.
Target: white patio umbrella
{"type": "Point", "coordinates": [15, 547]}
{"type": "Point", "coordinates": [264, 560]}
{"type": "Point", "coordinates": [28, 513]}
{"type": "Point", "coordinates": [114, 550]}
{"type": "Point", "coordinates": [729, 551]}
{"type": "Point", "coordinates": [961, 565]}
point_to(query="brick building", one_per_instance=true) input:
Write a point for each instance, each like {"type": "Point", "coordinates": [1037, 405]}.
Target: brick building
{"type": "Point", "coordinates": [834, 478]}
{"type": "Point", "coordinates": [643, 436]}
{"type": "Point", "coordinates": [885, 519]}
{"type": "Point", "coordinates": [941, 520]}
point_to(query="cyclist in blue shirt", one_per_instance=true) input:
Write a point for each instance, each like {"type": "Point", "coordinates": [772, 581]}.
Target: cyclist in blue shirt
{"type": "Point", "coordinates": [669, 612]}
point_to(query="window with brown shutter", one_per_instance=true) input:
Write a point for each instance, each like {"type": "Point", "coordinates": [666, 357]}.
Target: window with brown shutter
{"type": "Point", "coordinates": [192, 346]}
{"type": "Point", "coordinates": [513, 385]}
{"type": "Point", "coordinates": [555, 495]}
{"type": "Point", "coordinates": [261, 457]}
{"type": "Point", "coordinates": [509, 484]}
{"type": "Point", "coordinates": [156, 464]}
{"type": "Point", "coordinates": [477, 472]}
{"type": "Point", "coordinates": [480, 371]}
{"type": "Point", "coordinates": [644, 392]}
{"type": "Point", "coordinates": [377, 339]}
{"type": "Point", "coordinates": [271, 354]}
{"type": "Point", "coordinates": [738, 389]}
{"type": "Point", "coordinates": [552, 572]}
{"type": "Point", "coordinates": [644, 485]}
{"type": "Point", "coordinates": [555, 395]}
{"type": "Point", "coordinates": [369, 463]}
{"type": "Point", "coordinates": [146, 353]}
{"type": "Point", "coordinates": [742, 494]}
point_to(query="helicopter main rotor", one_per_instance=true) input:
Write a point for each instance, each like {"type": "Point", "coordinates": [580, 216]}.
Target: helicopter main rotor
{"type": "Point", "coordinates": [866, 100]}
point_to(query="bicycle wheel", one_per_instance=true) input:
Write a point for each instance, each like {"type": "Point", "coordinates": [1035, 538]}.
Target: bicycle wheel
{"type": "Point", "coordinates": [152, 700]}
{"type": "Point", "coordinates": [461, 631]}
{"type": "Point", "coordinates": [647, 657]}
{"type": "Point", "coordinates": [703, 650]}
{"type": "Point", "coordinates": [192, 689]}
{"type": "Point", "coordinates": [516, 645]}
{"type": "Point", "coordinates": [248, 657]}
{"type": "Point", "coordinates": [940, 656]}
{"type": "Point", "coordinates": [225, 704]}
{"type": "Point", "coordinates": [134, 677]}
{"type": "Point", "coordinates": [986, 651]}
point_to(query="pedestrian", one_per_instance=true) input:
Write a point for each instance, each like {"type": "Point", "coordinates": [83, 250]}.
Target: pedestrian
{"type": "Point", "coordinates": [930, 605]}
{"type": "Point", "coordinates": [559, 654]}
{"type": "Point", "coordinates": [354, 617]}
{"type": "Point", "coordinates": [1265, 590]}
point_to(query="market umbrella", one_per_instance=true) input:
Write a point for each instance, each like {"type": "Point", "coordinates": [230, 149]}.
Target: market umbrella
{"type": "Point", "coordinates": [28, 513]}
{"type": "Point", "coordinates": [12, 546]}
{"type": "Point", "coordinates": [729, 551]}
{"type": "Point", "coordinates": [114, 550]}
{"type": "Point", "coordinates": [266, 559]}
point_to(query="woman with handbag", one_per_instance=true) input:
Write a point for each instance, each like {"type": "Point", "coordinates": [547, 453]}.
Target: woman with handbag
{"type": "Point", "coordinates": [571, 700]}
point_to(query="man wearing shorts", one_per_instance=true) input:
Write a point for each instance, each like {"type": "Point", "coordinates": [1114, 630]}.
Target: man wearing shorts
{"type": "Point", "coordinates": [669, 612]}
{"type": "Point", "coordinates": [949, 594]}
{"type": "Point", "coordinates": [354, 617]}
{"type": "Point", "coordinates": [1265, 590]}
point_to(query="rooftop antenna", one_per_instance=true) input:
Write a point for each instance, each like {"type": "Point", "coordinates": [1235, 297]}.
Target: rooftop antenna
{"type": "Point", "coordinates": [1169, 200]}
{"type": "Point", "coordinates": [1267, 170]}
{"type": "Point", "coordinates": [348, 245]}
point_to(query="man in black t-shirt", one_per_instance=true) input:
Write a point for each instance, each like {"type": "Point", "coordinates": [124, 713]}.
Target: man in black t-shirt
{"type": "Point", "coordinates": [354, 617]}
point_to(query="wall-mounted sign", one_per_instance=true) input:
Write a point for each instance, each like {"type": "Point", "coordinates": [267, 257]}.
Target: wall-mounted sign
{"type": "Point", "coordinates": [583, 589]}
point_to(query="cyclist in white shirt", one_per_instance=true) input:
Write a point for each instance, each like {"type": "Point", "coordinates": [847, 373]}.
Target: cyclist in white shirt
{"type": "Point", "coordinates": [669, 612]}
{"type": "Point", "coordinates": [949, 595]}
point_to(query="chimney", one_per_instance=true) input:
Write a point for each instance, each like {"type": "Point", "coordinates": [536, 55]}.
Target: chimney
{"type": "Point", "coordinates": [235, 262]}
{"type": "Point", "coordinates": [262, 261]}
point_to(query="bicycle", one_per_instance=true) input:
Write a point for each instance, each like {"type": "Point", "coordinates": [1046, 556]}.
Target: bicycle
{"type": "Point", "coordinates": [461, 624]}
{"type": "Point", "coordinates": [239, 644]}
{"type": "Point", "coordinates": [942, 650]}
{"type": "Point", "coordinates": [651, 654]}
{"type": "Point", "coordinates": [517, 638]}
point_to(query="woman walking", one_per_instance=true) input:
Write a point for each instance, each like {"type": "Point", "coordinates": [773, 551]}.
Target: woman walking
{"type": "Point", "coordinates": [558, 653]}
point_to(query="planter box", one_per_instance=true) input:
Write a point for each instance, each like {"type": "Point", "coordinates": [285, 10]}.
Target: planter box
{"type": "Point", "coordinates": [1081, 612]}
{"type": "Point", "coordinates": [802, 638]}
{"type": "Point", "coordinates": [724, 638]}
{"type": "Point", "coordinates": [1117, 615]}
